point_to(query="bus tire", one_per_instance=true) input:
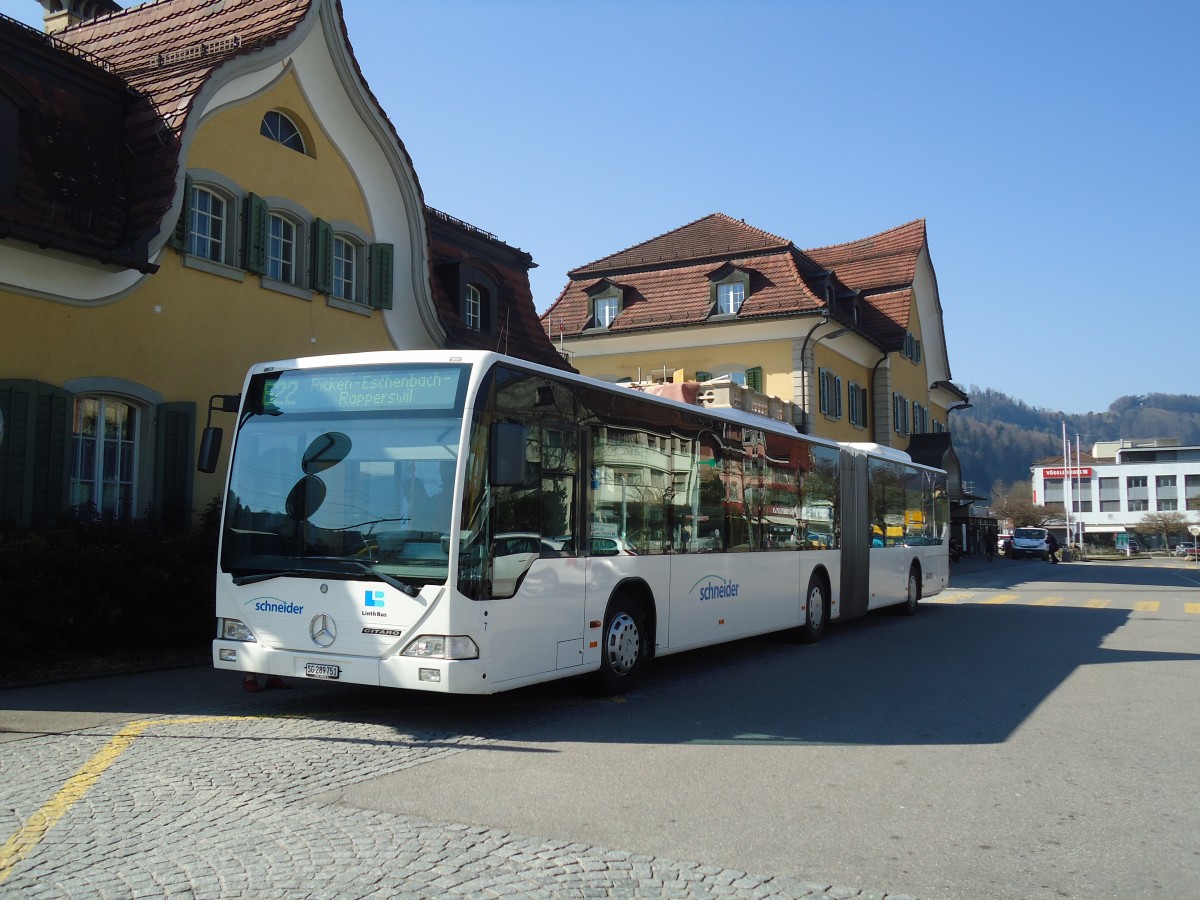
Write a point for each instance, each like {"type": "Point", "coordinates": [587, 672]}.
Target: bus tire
{"type": "Point", "coordinates": [912, 595]}
{"type": "Point", "coordinates": [623, 648]}
{"type": "Point", "coordinates": [816, 610]}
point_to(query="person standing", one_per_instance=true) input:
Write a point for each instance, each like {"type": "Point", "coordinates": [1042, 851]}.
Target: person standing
{"type": "Point", "coordinates": [1051, 547]}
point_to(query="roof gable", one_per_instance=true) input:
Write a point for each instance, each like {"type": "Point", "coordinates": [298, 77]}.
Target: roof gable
{"type": "Point", "coordinates": [882, 261]}
{"type": "Point", "coordinates": [715, 236]}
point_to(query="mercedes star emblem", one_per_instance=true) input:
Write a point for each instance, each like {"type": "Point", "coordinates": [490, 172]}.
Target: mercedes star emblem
{"type": "Point", "coordinates": [323, 630]}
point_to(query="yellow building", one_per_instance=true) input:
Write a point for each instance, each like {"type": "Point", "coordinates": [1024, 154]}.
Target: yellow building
{"type": "Point", "coordinates": [851, 334]}
{"type": "Point", "coordinates": [187, 188]}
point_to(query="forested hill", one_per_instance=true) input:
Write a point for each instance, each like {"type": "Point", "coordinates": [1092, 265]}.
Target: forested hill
{"type": "Point", "coordinates": [999, 438]}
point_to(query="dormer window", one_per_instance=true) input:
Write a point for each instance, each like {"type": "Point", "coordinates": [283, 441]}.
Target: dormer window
{"type": "Point", "coordinates": [730, 297]}
{"type": "Point", "coordinates": [606, 310]}
{"type": "Point", "coordinates": [728, 288]}
{"type": "Point", "coordinates": [605, 301]}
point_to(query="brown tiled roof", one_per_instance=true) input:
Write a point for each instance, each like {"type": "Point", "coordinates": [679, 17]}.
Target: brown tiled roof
{"type": "Point", "coordinates": [661, 297]}
{"type": "Point", "coordinates": [716, 236]}
{"type": "Point", "coordinates": [886, 315]}
{"type": "Point", "coordinates": [73, 177]}
{"type": "Point", "coordinates": [882, 267]}
{"type": "Point", "coordinates": [518, 331]}
{"type": "Point", "coordinates": [883, 261]}
{"type": "Point", "coordinates": [165, 51]}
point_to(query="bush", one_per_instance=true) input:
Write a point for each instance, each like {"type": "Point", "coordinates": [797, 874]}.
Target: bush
{"type": "Point", "coordinates": [100, 584]}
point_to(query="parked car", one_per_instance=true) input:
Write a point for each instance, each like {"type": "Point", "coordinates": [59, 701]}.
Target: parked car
{"type": "Point", "coordinates": [1030, 542]}
{"type": "Point", "coordinates": [611, 546]}
{"type": "Point", "coordinates": [1185, 549]}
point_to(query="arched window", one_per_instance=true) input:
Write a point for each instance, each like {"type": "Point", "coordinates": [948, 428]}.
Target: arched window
{"type": "Point", "coordinates": [282, 130]}
{"type": "Point", "coordinates": [104, 455]}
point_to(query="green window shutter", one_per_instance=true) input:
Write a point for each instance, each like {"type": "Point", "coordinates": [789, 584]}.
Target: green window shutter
{"type": "Point", "coordinates": [837, 394]}
{"type": "Point", "coordinates": [322, 256]}
{"type": "Point", "coordinates": [254, 251]}
{"type": "Point", "coordinates": [754, 378]}
{"type": "Point", "coordinates": [174, 440]}
{"type": "Point", "coordinates": [823, 384]}
{"type": "Point", "coordinates": [178, 238]}
{"type": "Point", "coordinates": [35, 455]}
{"type": "Point", "coordinates": [382, 258]}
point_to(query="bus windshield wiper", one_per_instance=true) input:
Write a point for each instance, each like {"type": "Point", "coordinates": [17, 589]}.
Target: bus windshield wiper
{"type": "Point", "coordinates": [399, 585]}
{"type": "Point", "coordinates": [402, 586]}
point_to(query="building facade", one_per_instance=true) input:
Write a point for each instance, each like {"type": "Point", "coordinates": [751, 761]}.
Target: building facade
{"type": "Point", "coordinates": [850, 335]}
{"type": "Point", "coordinates": [187, 188]}
{"type": "Point", "coordinates": [1113, 490]}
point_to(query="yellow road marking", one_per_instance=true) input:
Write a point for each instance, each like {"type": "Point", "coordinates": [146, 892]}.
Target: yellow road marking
{"type": "Point", "coordinates": [1001, 598]}
{"type": "Point", "coordinates": [1097, 604]}
{"type": "Point", "coordinates": [1191, 607]}
{"type": "Point", "coordinates": [1048, 601]}
{"type": "Point", "coordinates": [1146, 606]}
{"type": "Point", "coordinates": [29, 835]}
{"type": "Point", "coordinates": [952, 597]}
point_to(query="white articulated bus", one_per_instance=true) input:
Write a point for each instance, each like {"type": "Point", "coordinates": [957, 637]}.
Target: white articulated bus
{"type": "Point", "coordinates": [467, 522]}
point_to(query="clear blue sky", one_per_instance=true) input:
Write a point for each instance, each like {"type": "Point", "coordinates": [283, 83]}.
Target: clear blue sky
{"type": "Point", "coordinates": [1053, 149]}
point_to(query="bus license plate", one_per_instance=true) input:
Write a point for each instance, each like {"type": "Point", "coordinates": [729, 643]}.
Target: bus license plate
{"type": "Point", "coordinates": [320, 670]}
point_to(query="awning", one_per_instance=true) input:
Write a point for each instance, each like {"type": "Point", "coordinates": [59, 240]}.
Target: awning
{"type": "Point", "coordinates": [1102, 529]}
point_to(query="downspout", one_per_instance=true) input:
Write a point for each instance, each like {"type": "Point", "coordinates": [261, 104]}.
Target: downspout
{"type": "Point", "coordinates": [804, 368]}
{"type": "Point", "coordinates": [875, 418]}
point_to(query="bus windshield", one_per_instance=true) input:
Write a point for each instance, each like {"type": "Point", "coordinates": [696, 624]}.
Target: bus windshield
{"type": "Point", "coordinates": [341, 472]}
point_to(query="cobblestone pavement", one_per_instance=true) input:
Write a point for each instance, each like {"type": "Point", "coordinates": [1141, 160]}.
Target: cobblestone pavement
{"type": "Point", "coordinates": [230, 802]}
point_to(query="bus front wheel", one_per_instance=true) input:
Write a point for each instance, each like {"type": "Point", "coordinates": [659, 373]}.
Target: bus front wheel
{"type": "Point", "coordinates": [624, 649]}
{"type": "Point", "coordinates": [816, 611]}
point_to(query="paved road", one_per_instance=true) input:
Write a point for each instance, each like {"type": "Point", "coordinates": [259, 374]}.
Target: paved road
{"type": "Point", "coordinates": [1032, 733]}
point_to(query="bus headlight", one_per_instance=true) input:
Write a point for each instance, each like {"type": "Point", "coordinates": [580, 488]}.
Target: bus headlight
{"type": "Point", "coordinates": [443, 646]}
{"type": "Point", "coordinates": [234, 630]}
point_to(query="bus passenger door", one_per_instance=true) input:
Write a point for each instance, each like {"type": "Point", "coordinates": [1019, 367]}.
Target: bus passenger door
{"type": "Point", "coordinates": [538, 589]}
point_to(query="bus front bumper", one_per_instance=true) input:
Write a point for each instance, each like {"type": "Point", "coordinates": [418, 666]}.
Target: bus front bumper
{"type": "Point", "coordinates": [460, 676]}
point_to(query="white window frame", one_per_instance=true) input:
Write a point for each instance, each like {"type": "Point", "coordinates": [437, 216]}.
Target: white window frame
{"type": "Point", "coordinates": [208, 229]}
{"type": "Point", "coordinates": [606, 308]}
{"type": "Point", "coordinates": [90, 487]}
{"type": "Point", "coordinates": [347, 269]}
{"type": "Point", "coordinates": [283, 248]}
{"type": "Point", "coordinates": [473, 308]}
{"type": "Point", "coordinates": [730, 297]}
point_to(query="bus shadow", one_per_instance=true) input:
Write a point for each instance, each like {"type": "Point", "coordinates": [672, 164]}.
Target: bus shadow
{"type": "Point", "coordinates": [957, 675]}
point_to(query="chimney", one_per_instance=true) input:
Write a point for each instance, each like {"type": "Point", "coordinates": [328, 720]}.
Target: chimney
{"type": "Point", "coordinates": [62, 14]}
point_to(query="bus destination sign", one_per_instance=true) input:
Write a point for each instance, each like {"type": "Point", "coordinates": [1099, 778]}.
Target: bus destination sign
{"type": "Point", "coordinates": [408, 388]}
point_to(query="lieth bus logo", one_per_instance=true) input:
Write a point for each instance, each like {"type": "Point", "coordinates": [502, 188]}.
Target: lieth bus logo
{"type": "Point", "coordinates": [374, 598]}
{"type": "Point", "coordinates": [714, 587]}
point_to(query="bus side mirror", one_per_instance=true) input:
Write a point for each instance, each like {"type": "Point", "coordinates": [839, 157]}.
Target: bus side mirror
{"type": "Point", "coordinates": [210, 449]}
{"type": "Point", "coordinates": [210, 439]}
{"type": "Point", "coordinates": [508, 454]}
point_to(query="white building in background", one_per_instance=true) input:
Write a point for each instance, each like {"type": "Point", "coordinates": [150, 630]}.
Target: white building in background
{"type": "Point", "coordinates": [1119, 482]}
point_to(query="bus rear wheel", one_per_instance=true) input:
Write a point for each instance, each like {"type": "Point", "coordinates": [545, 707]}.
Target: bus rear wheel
{"type": "Point", "coordinates": [816, 611]}
{"type": "Point", "coordinates": [912, 596]}
{"type": "Point", "coordinates": [623, 652]}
